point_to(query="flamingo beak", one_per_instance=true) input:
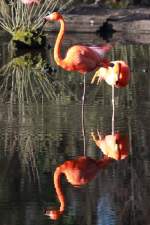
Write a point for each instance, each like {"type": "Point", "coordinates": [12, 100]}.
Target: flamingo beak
{"type": "Point", "coordinates": [47, 213]}
{"type": "Point", "coordinates": [48, 17]}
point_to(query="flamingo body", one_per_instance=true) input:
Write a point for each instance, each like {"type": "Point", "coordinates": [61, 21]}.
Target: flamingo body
{"type": "Point", "coordinates": [117, 74]}
{"type": "Point", "coordinates": [83, 59]}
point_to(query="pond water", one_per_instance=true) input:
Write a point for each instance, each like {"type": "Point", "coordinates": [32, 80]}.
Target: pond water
{"type": "Point", "coordinates": [40, 122]}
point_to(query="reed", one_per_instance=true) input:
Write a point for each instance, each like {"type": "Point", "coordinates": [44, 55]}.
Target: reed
{"type": "Point", "coordinates": [29, 78]}
{"type": "Point", "coordinates": [24, 22]}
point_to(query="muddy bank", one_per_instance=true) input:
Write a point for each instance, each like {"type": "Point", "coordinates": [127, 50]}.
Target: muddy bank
{"type": "Point", "coordinates": [94, 19]}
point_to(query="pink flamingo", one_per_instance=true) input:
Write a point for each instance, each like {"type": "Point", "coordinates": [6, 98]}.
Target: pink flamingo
{"type": "Point", "coordinates": [29, 2]}
{"type": "Point", "coordinates": [78, 172]}
{"type": "Point", "coordinates": [117, 74]}
{"type": "Point", "coordinates": [79, 58]}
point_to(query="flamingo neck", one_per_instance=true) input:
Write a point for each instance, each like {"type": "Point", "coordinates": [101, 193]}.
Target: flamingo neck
{"type": "Point", "coordinates": [60, 194]}
{"type": "Point", "coordinates": [57, 48]}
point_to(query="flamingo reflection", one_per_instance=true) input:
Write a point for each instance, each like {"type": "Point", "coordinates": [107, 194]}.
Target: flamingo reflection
{"type": "Point", "coordinates": [114, 146]}
{"type": "Point", "coordinates": [78, 172]}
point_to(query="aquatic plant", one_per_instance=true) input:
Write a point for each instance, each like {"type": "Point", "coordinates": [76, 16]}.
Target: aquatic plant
{"type": "Point", "coordinates": [24, 77]}
{"type": "Point", "coordinates": [27, 78]}
{"type": "Point", "coordinates": [24, 22]}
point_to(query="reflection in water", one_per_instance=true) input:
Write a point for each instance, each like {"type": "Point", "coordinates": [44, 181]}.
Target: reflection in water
{"type": "Point", "coordinates": [42, 140]}
{"type": "Point", "coordinates": [113, 146]}
{"type": "Point", "coordinates": [82, 170]}
{"type": "Point", "coordinates": [106, 213]}
{"type": "Point", "coordinates": [113, 110]}
{"type": "Point", "coordinates": [26, 78]}
{"type": "Point", "coordinates": [24, 82]}
{"type": "Point", "coordinates": [82, 116]}
{"type": "Point", "coordinates": [78, 172]}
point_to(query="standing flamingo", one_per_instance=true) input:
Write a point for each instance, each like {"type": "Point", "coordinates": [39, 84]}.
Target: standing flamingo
{"type": "Point", "coordinates": [79, 58]}
{"type": "Point", "coordinates": [116, 75]}
{"type": "Point", "coordinates": [78, 172]}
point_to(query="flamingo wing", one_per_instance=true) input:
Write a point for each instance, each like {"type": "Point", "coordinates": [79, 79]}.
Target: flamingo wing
{"type": "Point", "coordinates": [101, 50]}
{"type": "Point", "coordinates": [86, 58]}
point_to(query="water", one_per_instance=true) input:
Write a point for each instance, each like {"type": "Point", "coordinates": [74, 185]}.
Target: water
{"type": "Point", "coordinates": [41, 128]}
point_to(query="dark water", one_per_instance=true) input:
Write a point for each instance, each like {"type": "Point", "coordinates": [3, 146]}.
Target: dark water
{"type": "Point", "coordinates": [40, 122]}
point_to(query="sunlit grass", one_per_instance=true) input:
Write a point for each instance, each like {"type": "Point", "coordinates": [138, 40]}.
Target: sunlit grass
{"type": "Point", "coordinates": [25, 22]}
{"type": "Point", "coordinates": [19, 16]}
{"type": "Point", "coordinates": [24, 79]}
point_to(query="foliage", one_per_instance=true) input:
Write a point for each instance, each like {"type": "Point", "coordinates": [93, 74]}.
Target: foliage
{"type": "Point", "coordinates": [25, 22]}
{"type": "Point", "coordinates": [45, 138]}
{"type": "Point", "coordinates": [27, 37]}
{"type": "Point", "coordinates": [32, 78]}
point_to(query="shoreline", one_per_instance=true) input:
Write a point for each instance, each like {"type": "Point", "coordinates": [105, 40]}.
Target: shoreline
{"type": "Point", "coordinates": [93, 20]}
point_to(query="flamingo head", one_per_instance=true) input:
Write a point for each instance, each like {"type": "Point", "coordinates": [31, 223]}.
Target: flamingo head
{"type": "Point", "coordinates": [53, 214]}
{"type": "Point", "coordinates": [121, 72]}
{"type": "Point", "coordinates": [55, 16]}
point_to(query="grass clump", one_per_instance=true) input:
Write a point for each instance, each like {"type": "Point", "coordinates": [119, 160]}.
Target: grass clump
{"type": "Point", "coordinates": [24, 22]}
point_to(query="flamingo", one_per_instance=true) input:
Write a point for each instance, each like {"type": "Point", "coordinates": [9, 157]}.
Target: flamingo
{"type": "Point", "coordinates": [117, 74]}
{"type": "Point", "coordinates": [79, 58]}
{"type": "Point", "coordinates": [114, 146]}
{"type": "Point", "coordinates": [78, 172]}
{"type": "Point", "coordinates": [29, 2]}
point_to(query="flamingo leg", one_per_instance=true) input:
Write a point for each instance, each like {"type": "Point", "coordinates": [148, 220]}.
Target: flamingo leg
{"type": "Point", "coordinates": [83, 101]}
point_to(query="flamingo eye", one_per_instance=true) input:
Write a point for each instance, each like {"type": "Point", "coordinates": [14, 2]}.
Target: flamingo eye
{"type": "Point", "coordinates": [111, 64]}
{"type": "Point", "coordinates": [48, 13]}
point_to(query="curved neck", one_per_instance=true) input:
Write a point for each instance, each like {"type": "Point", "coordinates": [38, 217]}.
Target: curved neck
{"type": "Point", "coordinates": [57, 47]}
{"type": "Point", "coordinates": [57, 183]}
